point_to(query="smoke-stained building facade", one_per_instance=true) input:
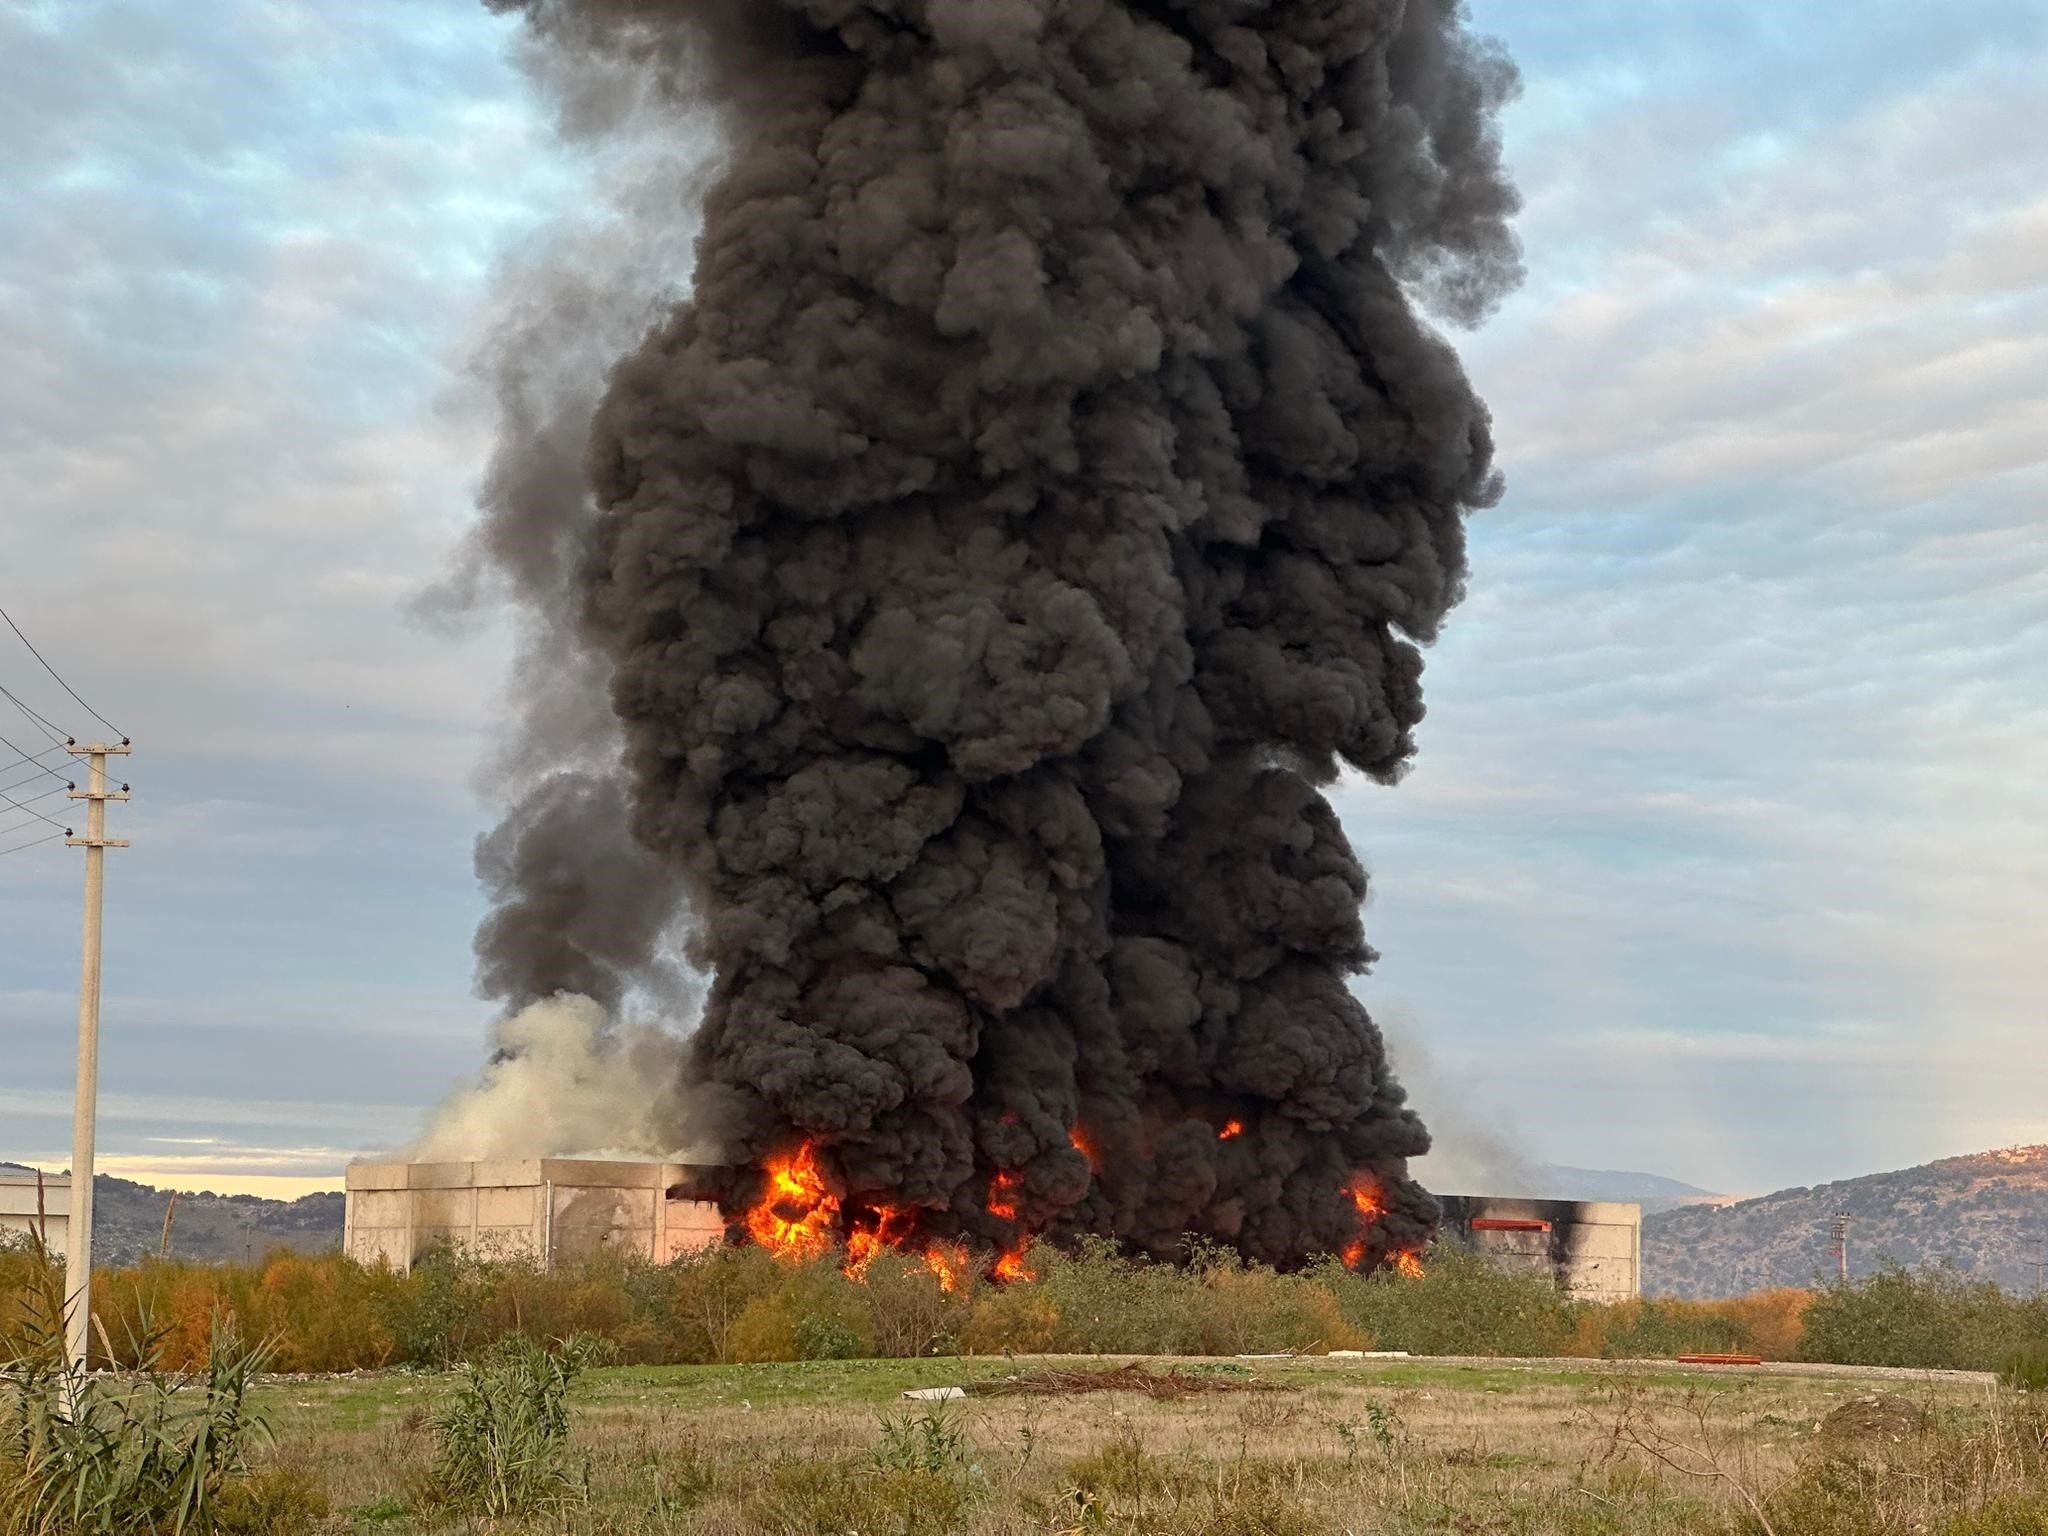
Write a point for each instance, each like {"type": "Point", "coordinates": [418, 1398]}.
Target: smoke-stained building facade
{"type": "Point", "coordinates": [1593, 1249]}
{"type": "Point", "coordinates": [538, 1210]}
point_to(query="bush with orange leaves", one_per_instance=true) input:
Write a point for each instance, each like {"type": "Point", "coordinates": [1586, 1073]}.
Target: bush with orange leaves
{"type": "Point", "coordinates": [319, 1311]}
{"type": "Point", "coordinates": [1766, 1323]}
{"type": "Point", "coordinates": [1776, 1319]}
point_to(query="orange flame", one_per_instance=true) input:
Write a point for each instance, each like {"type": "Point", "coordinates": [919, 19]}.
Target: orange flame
{"type": "Point", "coordinates": [1011, 1266]}
{"type": "Point", "coordinates": [949, 1262]}
{"type": "Point", "coordinates": [798, 1217]}
{"type": "Point", "coordinates": [1086, 1148]}
{"type": "Point", "coordinates": [794, 1219]}
{"type": "Point", "coordinates": [861, 1248]}
{"type": "Point", "coordinates": [1230, 1129]}
{"type": "Point", "coordinates": [1002, 1195]}
{"type": "Point", "coordinates": [1365, 1195]}
{"type": "Point", "coordinates": [1366, 1199]}
{"type": "Point", "coordinates": [888, 1227]}
{"type": "Point", "coordinates": [1408, 1264]}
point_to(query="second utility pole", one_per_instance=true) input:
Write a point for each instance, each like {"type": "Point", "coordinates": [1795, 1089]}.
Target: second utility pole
{"type": "Point", "coordinates": [85, 1106]}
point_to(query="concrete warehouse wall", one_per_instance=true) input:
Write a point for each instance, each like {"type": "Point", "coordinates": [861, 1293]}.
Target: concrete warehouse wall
{"type": "Point", "coordinates": [18, 1206]}
{"type": "Point", "coordinates": [542, 1209]}
{"type": "Point", "coordinates": [1594, 1248]}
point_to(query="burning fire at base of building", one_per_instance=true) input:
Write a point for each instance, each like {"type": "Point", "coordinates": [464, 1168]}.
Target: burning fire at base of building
{"type": "Point", "coordinates": [560, 1208]}
{"type": "Point", "coordinates": [797, 1216]}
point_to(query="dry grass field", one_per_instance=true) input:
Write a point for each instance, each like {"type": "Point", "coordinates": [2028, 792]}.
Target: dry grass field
{"type": "Point", "coordinates": [1283, 1447]}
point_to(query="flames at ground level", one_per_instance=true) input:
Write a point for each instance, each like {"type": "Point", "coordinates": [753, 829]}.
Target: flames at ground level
{"type": "Point", "coordinates": [798, 1217]}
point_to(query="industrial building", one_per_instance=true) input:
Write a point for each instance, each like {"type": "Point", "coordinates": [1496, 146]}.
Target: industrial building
{"type": "Point", "coordinates": [545, 1209]}
{"type": "Point", "coordinates": [538, 1209]}
{"type": "Point", "coordinates": [25, 1208]}
{"type": "Point", "coordinates": [1593, 1249]}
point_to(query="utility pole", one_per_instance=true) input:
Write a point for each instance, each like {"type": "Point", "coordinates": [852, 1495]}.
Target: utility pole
{"type": "Point", "coordinates": [85, 1107]}
{"type": "Point", "coordinates": [1841, 1234]}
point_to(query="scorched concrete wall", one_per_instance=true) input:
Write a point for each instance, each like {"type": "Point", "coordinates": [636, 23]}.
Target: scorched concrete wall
{"type": "Point", "coordinates": [1592, 1248]}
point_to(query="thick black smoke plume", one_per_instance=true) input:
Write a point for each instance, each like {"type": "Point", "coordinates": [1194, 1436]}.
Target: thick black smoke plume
{"type": "Point", "coordinates": [1041, 493]}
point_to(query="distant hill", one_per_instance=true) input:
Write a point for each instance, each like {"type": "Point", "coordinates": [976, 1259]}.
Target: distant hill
{"type": "Point", "coordinates": [128, 1222]}
{"type": "Point", "coordinates": [1987, 1214]}
{"type": "Point", "coordinates": [1652, 1191]}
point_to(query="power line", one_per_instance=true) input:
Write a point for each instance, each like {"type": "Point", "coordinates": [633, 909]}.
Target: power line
{"type": "Point", "coordinates": [24, 639]}
{"type": "Point", "coordinates": [39, 816]}
{"type": "Point", "coordinates": [10, 787]}
{"type": "Point", "coordinates": [53, 750]}
{"type": "Point", "coordinates": [36, 843]}
{"type": "Point", "coordinates": [42, 769]}
{"type": "Point", "coordinates": [49, 728]}
{"type": "Point", "coordinates": [6, 790]}
{"type": "Point", "coordinates": [34, 762]}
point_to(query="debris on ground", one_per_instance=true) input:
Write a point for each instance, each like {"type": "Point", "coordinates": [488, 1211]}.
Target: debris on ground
{"type": "Point", "coordinates": [1162, 1385]}
{"type": "Point", "coordinates": [1876, 1416]}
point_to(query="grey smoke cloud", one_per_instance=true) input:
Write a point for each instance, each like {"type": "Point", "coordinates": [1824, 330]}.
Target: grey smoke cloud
{"type": "Point", "coordinates": [1039, 498]}
{"type": "Point", "coordinates": [570, 1080]}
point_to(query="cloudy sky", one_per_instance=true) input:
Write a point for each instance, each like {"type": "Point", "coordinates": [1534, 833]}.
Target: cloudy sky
{"type": "Point", "coordinates": [1727, 853]}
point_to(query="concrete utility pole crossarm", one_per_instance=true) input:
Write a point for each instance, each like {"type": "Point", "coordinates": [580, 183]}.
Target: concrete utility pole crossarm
{"type": "Point", "coordinates": [78, 1243]}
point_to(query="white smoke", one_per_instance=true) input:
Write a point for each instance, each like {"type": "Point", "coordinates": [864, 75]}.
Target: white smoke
{"type": "Point", "coordinates": [1474, 1146]}
{"type": "Point", "coordinates": [568, 1082]}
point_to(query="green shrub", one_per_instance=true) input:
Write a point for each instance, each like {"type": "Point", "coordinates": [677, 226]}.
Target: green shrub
{"type": "Point", "coordinates": [1010, 1319]}
{"type": "Point", "coordinates": [280, 1500]}
{"type": "Point", "coordinates": [1926, 1319]}
{"type": "Point", "coordinates": [1656, 1330]}
{"type": "Point", "coordinates": [437, 1316]}
{"type": "Point", "coordinates": [162, 1452]}
{"type": "Point", "coordinates": [2026, 1368]}
{"type": "Point", "coordinates": [826, 1338]}
{"type": "Point", "coordinates": [922, 1442]}
{"type": "Point", "coordinates": [709, 1292]}
{"type": "Point", "coordinates": [1460, 1305]}
{"type": "Point", "coordinates": [502, 1437]}
{"type": "Point", "coordinates": [1108, 1303]}
{"type": "Point", "coordinates": [1235, 1308]}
